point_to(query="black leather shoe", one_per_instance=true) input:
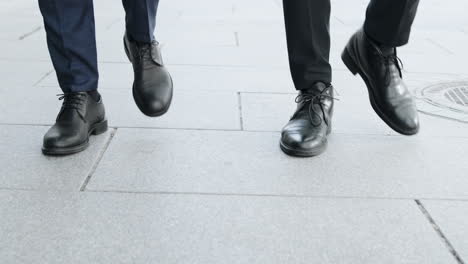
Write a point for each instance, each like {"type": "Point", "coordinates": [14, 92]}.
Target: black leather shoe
{"type": "Point", "coordinates": [306, 133]}
{"type": "Point", "coordinates": [380, 69]}
{"type": "Point", "coordinates": [152, 86]}
{"type": "Point", "coordinates": [79, 117]}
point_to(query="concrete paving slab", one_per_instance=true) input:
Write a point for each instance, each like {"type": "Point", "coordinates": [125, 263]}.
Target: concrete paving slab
{"type": "Point", "coordinates": [21, 8]}
{"type": "Point", "coordinates": [352, 115]}
{"type": "Point", "coordinates": [200, 78]}
{"type": "Point", "coordinates": [271, 112]}
{"type": "Point", "coordinates": [216, 49]}
{"type": "Point", "coordinates": [452, 41]}
{"type": "Point", "coordinates": [122, 228]}
{"type": "Point", "coordinates": [453, 16]}
{"type": "Point", "coordinates": [440, 126]}
{"type": "Point", "coordinates": [450, 216]}
{"type": "Point", "coordinates": [16, 74]}
{"type": "Point", "coordinates": [177, 34]}
{"type": "Point", "coordinates": [30, 105]}
{"type": "Point", "coordinates": [24, 167]}
{"type": "Point", "coordinates": [193, 55]}
{"type": "Point", "coordinates": [18, 28]}
{"type": "Point", "coordinates": [189, 41]}
{"type": "Point", "coordinates": [262, 79]}
{"type": "Point", "coordinates": [190, 109]}
{"type": "Point", "coordinates": [441, 63]}
{"type": "Point", "coordinates": [248, 162]}
{"type": "Point", "coordinates": [242, 10]}
{"type": "Point", "coordinates": [352, 13]}
{"type": "Point", "coordinates": [26, 50]}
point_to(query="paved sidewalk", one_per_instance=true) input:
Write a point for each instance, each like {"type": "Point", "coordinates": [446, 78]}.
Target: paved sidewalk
{"type": "Point", "coordinates": [207, 183]}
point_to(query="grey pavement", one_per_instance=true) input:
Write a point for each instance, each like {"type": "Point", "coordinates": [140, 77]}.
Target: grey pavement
{"type": "Point", "coordinates": [207, 182]}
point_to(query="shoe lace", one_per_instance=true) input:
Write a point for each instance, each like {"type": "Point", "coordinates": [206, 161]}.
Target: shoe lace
{"type": "Point", "coordinates": [310, 100]}
{"type": "Point", "coordinates": [390, 59]}
{"type": "Point", "coordinates": [73, 101]}
{"type": "Point", "coordinates": [144, 50]}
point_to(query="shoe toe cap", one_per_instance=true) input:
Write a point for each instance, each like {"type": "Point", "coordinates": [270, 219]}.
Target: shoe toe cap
{"type": "Point", "coordinates": [153, 100]}
{"type": "Point", "coordinates": [411, 125]}
{"type": "Point", "coordinates": [302, 144]}
{"type": "Point", "coordinates": [407, 119]}
{"type": "Point", "coordinates": [293, 140]}
{"type": "Point", "coordinates": [55, 139]}
{"type": "Point", "coordinates": [155, 106]}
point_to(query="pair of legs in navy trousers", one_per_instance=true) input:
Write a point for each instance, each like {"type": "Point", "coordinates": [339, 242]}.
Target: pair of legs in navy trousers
{"type": "Point", "coordinates": [71, 40]}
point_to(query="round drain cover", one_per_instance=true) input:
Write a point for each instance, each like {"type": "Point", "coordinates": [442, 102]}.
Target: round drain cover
{"type": "Point", "coordinates": [449, 100]}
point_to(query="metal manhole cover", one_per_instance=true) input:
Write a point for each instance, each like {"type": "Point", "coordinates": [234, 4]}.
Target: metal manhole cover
{"type": "Point", "coordinates": [458, 95]}
{"type": "Point", "coordinates": [448, 100]}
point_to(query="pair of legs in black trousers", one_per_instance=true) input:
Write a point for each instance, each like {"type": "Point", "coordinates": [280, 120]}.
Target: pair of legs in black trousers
{"type": "Point", "coordinates": [308, 33]}
{"type": "Point", "coordinates": [371, 52]}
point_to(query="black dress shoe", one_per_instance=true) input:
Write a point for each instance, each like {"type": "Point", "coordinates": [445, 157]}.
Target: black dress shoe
{"type": "Point", "coordinates": [152, 86]}
{"type": "Point", "coordinates": [306, 133]}
{"type": "Point", "coordinates": [79, 117]}
{"type": "Point", "coordinates": [380, 69]}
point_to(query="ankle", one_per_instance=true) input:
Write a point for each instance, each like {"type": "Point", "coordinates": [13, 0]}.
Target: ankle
{"type": "Point", "coordinates": [94, 94]}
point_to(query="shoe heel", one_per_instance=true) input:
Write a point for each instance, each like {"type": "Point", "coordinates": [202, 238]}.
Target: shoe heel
{"type": "Point", "coordinates": [100, 128]}
{"type": "Point", "coordinates": [349, 62]}
{"type": "Point", "coordinates": [126, 49]}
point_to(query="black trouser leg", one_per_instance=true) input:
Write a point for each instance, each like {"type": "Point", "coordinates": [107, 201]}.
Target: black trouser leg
{"type": "Point", "coordinates": [72, 43]}
{"type": "Point", "coordinates": [389, 21]}
{"type": "Point", "coordinates": [141, 19]}
{"type": "Point", "coordinates": [308, 36]}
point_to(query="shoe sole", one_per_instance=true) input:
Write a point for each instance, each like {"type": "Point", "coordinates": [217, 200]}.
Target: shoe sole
{"type": "Point", "coordinates": [303, 154]}
{"type": "Point", "coordinates": [351, 65]}
{"type": "Point", "coordinates": [96, 129]}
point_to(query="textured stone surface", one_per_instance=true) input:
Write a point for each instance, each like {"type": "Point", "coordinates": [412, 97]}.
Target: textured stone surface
{"type": "Point", "coordinates": [270, 112]}
{"type": "Point", "coordinates": [190, 109]}
{"type": "Point", "coordinates": [251, 162]}
{"type": "Point", "coordinates": [451, 218]}
{"type": "Point", "coordinates": [24, 167]}
{"type": "Point", "coordinates": [352, 115]}
{"type": "Point", "coordinates": [143, 228]}
{"type": "Point", "coordinates": [23, 75]}
{"type": "Point", "coordinates": [229, 63]}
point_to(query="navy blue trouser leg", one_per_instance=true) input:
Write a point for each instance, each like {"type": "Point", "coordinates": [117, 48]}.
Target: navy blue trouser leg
{"type": "Point", "coordinates": [72, 43]}
{"type": "Point", "coordinates": [71, 37]}
{"type": "Point", "coordinates": [141, 19]}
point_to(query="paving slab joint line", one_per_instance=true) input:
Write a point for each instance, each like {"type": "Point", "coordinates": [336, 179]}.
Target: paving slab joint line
{"type": "Point", "coordinates": [247, 131]}
{"type": "Point", "coordinates": [260, 195]}
{"type": "Point", "coordinates": [98, 160]}
{"type": "Point", "coordinates": [436, 227]}
{"type": "Point", "coordinates": [239, 99]}
{"type": "Point", "coordinates": [115, 21]}
{"type": "Point", "coordinates": [236, 38]}
{"type": "Point", "coordinates": [438, 45]}
{"type": "Point", "coordinates": [43, 77]}
{"type": "Point", "coordinates": [36, 29]}
{"type": "Point", "coordinates": [442, 117]}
